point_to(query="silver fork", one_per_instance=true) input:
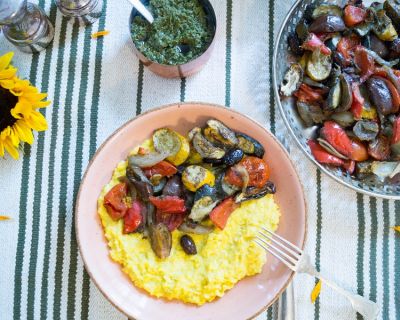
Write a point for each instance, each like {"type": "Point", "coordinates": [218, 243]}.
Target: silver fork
{"type": "Point", "coordinates": [298, 261]}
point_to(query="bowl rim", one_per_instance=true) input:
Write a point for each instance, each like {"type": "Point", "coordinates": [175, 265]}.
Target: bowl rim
{"type": "Point", "coordinates": [288, 126]}
{"type": "Point", "coordinates": [206, 48]}
{"type": "Point", "coordinates": [182, 104]}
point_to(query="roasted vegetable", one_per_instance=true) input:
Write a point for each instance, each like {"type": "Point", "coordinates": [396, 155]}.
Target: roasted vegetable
{"type": "Point", "coordinates": [313, 43]}
{"type": "Point", "coordinates": [252, 193]}
{"type": "Point", "coordinates": [160, 240]}
{"type": "Point", "coordinates": [379, 148]}
{"type": "Point", "coordinates": [335, 95]}
{"type": "Point", "coordinates": [163, 168]}
{"type": "Point", "coordinates": [310, 113]}
{"type": "Point", "coordinates": [344, 119]}
{"type": "Point", "coordinates": [133, 218]}
{"type": "Point", "coordinates": [173, 187]}
{"type": "Point", "coordinates": [183, 153]}
{"type": "Point", "coordinates": [169, 204]}
{"type": "Point", "coordinates": [319, 66]}
{"type": "Point", "coordinates": [167, 141]}
{"type": "Point", "coordinates": [329, 148]}
{"type": "Point", "coordinates": [395, 141]}
{"type": "Point", "coordinates": [146, 160]}
{"type": "Point", "coordinates": [219, 133]}
{"type": "Point", "coordinates": [188, 245]}
{"type": "Point", "coordinates": [322, 156]}
{"type": "Point", "coordinates": [354, 15]}
{"type": "Point", "coordinates": [383, 27]}
{"type": "Point", "coordinates": [373, 43]}
{"type": "Point", "coordinates": [309, 95]}
{"type": "Point", "coordinates": [204, 201]}
{"type": "Point", "coordinates": [327, 23]}
{"type": "Point", "coordinates": [220, 214]}
{"type": "Point", "coordinates": [250, 145]}
{"type": "Point", "coordinates": [392, 9]}
{"type": "Point", "coordinates": [194, 177]}
{"type": "Point", "coordinates": [294, 43]}
{"type": "Point", "coordinates": [205, 148]}
{"type": "Point", "coordinates": [366, 130]}
{"type": "Point", "coordinates": [232, 157]}
{"type": "Point", "coordinates": [171, 220]}
{"type": "Point", "coordinates": [195, 228]}
{"type": "Point", "coordinates": [380, 94]}
{"type": "Point", "coordinates": [224, 188]}
{"type": "Point", "coordinates": [336, 137]}
{"type": "Point", "coordinates": [158, 182]}
{"type": "Point", "coordinates": [327, 9]}
{"type": "Point", "coordinates": [381, 169]}
{"type": "Point", "coordinates": [292, 80]}
{"type": "Point", "coordinates": [114, 201]}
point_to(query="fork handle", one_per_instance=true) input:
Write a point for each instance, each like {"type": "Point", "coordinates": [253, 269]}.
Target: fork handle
{"type": "Point", "coordinates": [367, 308]}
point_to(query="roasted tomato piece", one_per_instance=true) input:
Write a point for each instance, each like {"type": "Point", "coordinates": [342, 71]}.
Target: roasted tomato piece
{"type": "Point", "coordinates": [323, 156]}
{"type": "Point", "coordinates": [337, 138]}
{"type": "Point", "coordinates": [220, 214]}
{"type": "Point", "coordinates": [396, 131]}
{"type": "Point", "coordinates": [308, 94]}
{"type": "Point", "coordinates": [257, 169]}
{"type": "Point", "coordinates": [358, 101]}
{"type": "Point", "coordinates": [162, 168]}
{"type": "Point", "coordinates": [313, 43]}
{"type": "Point", "coordinates": [169, 204]}
{"type": "Point", "coordinates": [359, 151]}
{"type": "Point", "coordinates": [364, 62]}
{"type": "Point", "coordinates": [133, 217]}
{"type": "Point", "coordinates": [346, 46]}
{"type": "Point", "coordinates": [171, 220]}
{"type": "Point", "coordinates": [354, 15]}
{"type": "Point", "coordinates": [114, 201]}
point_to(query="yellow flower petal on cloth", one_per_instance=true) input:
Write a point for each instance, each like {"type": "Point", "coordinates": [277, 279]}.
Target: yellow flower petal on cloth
{"type": "Point", "coordinates": [316, 291]}
{"type": "Point", "coordinates": [23, 131]}
{"type": "Point", "coordinates": [100, 34]}
{"type": "Point", "coordinates": [396, 228]}
{"type": "Point", "coordinates": [36, 121]}
{"type": "Point", "coordinates": [2, 218]}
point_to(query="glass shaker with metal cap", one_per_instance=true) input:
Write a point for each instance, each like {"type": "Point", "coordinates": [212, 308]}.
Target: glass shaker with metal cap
{"type": "Point", "coordinates": [25, 25]}
{"type": "Point", "coordinates": [83, 12]}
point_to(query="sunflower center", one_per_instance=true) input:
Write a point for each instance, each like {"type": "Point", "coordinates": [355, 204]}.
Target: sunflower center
{"type": "Point", "coordinates": [7, 102]}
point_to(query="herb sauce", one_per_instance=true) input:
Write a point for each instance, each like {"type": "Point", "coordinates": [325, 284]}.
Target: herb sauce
{"type": "Point", "coordinates": [178, 34]}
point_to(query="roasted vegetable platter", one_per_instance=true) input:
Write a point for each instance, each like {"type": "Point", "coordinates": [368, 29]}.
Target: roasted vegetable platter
{"type": "Point", "coordinates": [337, 80]}
{"type": "Point", "coordinates": [191, 182]}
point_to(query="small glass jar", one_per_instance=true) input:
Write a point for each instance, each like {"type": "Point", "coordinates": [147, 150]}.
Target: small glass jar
{"type": "Point", "coordinates": [83, 12]}
{"type": "Point", "coordinates": [25, 25]}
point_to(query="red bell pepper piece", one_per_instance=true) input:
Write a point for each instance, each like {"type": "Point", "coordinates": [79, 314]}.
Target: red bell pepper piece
{"type": "Point", "coordinates": [359, 151]}
{"type": "Point", "coordinates": [163, 168]}
{"type": "Point", "coordinates": [169, 204]}
{"type": "Point", "coordinates": [114, 201]}
{"type": "Point", "coordinates": [308, 94]}
{"type": "Point", "coordinates": [220, 214]}
{"type": "Point", "coordinates": [313, 43]}
{"type": "Point", "coordinates": [346, 46]}
{"type": "Point", "coordinates": [133, 217]}
{"type": "Point", "coordinates": [337, 137]}
{"type": "Point", "coordinates": [323, 156]}
{"type": "Point", "coordinates": [354, 15]}
{"type": "Point", "coordinates": [358, 101]}
{"type": "Point", "coordinates": [364, 62]}
{"type": "Point", "coordinates": [171, 220]}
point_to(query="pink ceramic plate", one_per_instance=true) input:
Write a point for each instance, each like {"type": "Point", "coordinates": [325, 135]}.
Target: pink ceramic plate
{"type": "Point", "coordinates": [251, 295]}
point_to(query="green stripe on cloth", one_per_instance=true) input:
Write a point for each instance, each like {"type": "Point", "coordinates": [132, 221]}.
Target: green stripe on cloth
{"type": "Point", "coordinates": [78, 170]}
{"type": "Point", "coordinates": [62, 218]}
{"type": "Point", "coordinates": [50, 189]}
{"type": "Point", "coordinates": [183, 89]}
{"type": "Point", "coordinates": [270, 55]}
{"type": "Point", "coordinates": [228, 54]}
{"type": "Point", "coordinates": [94, 109]}
{"type": "Point", "coordinates": [38, 185]}
{"type": "Point", "coordinates": [372, 249]}
{"type": "Point", "coordinates": [360, 246]}
{"type": "Point", "coordinates": [385, 260]}
{"type": "Point", "coordinates": [139, 89]}
{"type": "Point", "coordinates": [319, 234]}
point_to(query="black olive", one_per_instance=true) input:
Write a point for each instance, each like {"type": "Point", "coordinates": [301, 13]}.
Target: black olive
{"type": "Point", "coordinates": [295, 44]}
{"type": "Point", "coordinates": [233, 156]}
{"type": "Point", "coordinates": [173, 187]}
{"type": "Point", "coordinates": [380, 95]}
{"type": "Point", "coordinates": [188, 245]}
{"type": "Point", "coordinates": [327, 23]}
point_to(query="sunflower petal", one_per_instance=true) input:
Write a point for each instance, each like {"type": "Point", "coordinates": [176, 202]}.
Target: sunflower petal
{"type": "Point", "coordinates": [316, 291]}
{"type": "Point", "coordinates": [5, 60]}
{"type": "Point", "coordinates": [41, 104]}
{"type": "Point", "coordinates": [2, 218]}
{"type": "Point", "coordinates": [8, 73]}
{"type": "Point", "coordinates": [11, 149]}
{"type": "Point", "coordinates": [36, 121]}
{"type": "Point", "coordinates": [1, 149]}
{"type": "Point", "coordinates": [23, 131]}
{"type": "Point", "coordinates": [21, 108]}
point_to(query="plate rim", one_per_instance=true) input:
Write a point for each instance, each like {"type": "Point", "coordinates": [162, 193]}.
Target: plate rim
{"type": "Point", "coordinates": [152, 110]}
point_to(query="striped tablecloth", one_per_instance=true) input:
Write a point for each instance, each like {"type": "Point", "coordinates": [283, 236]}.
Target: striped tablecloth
{"type": "Point", "coordinates": [96, 86]}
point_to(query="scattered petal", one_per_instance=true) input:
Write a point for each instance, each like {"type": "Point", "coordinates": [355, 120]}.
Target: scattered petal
{"type": "Point", "coordinates": [4, 218]}
{"type": "Point", "coordinates": [316, 291]}
{"type": "Point", "coordinates": [100, 34]}
{"type": "Point", "coordinates": [396, 228]}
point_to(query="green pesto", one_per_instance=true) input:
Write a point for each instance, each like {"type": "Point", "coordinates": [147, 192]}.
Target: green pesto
{"type": "Point", "coordinates": [178, 34]}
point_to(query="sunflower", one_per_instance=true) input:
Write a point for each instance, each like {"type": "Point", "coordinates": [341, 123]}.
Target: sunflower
{"type": "Point", "coordinates": [19, 104]}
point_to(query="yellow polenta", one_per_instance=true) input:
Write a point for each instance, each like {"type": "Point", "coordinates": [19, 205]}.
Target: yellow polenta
{"type": "Point", "coordinates": [222, 259]}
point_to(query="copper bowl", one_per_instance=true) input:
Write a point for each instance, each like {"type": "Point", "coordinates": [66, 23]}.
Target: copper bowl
{"type": "Point", "coordinates": [189, 68]}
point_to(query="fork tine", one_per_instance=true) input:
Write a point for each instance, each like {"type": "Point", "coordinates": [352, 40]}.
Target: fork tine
{"type": "Point", "coordinates": [284, 247]}
{"type": "Point", "coordinates": [284, 240]}
{"type": "Point", "coordinates": [275, 255]}
{"type": "Point", "coordinates": [289, 258]}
